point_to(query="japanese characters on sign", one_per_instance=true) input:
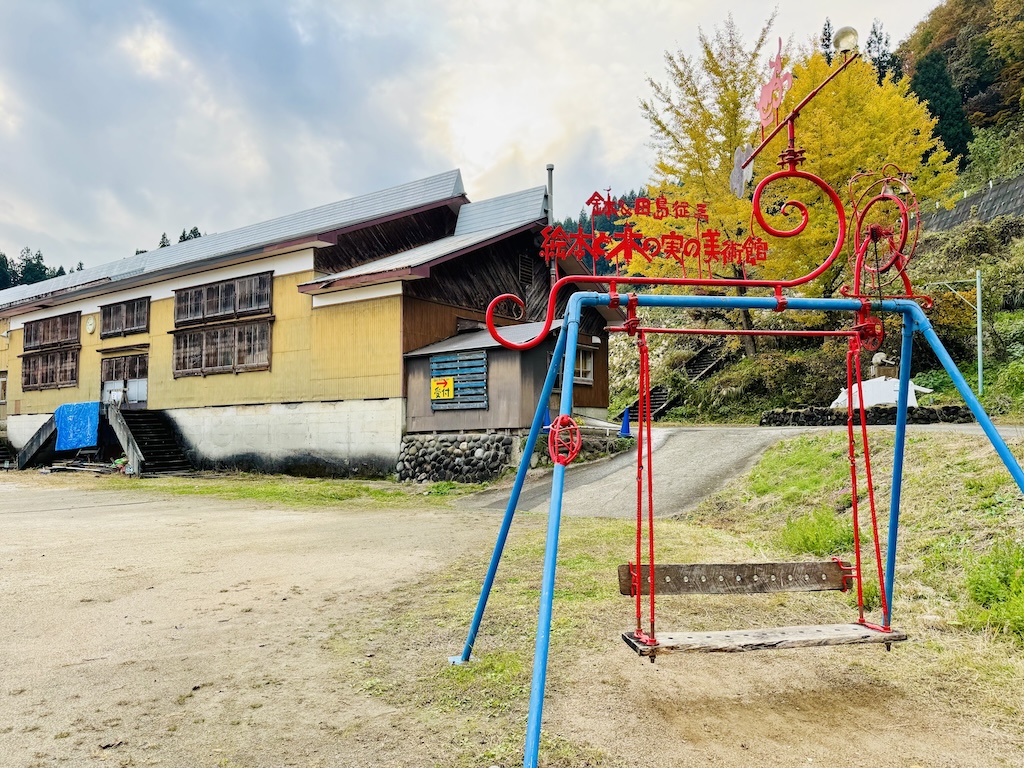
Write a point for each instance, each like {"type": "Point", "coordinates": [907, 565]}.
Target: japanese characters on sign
{"type": "Point", "coordinates": [708, 245]}
{"type": "Point", "coordinates": [442, 388]}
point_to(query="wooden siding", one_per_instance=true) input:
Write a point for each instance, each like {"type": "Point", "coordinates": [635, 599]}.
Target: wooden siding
{"type": "Point", "coordinates": [426, 322]}
{"type": "Point", "coordinates": [472, 280]}
{"type": "Point", "coordinates": [595, 395]}
{"type": "Point", "coordinates": [373, 242]}
{"type": "Point", "coordinates": [349, 351]}
{"type": "Point", "coordinates": [5, 347]}
{"type": "Point", "coordinates": [357, 350]}
{"type": "Point", "coordinates": [504, 395]}
{"type": "Point", "coordinates": [535, 368]}
{"type": "Point", "coordinates": [286, 380]}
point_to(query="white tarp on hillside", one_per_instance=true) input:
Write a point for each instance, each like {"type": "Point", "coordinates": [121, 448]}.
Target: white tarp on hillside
{"type": "Point", "coordinates": [883, 390]}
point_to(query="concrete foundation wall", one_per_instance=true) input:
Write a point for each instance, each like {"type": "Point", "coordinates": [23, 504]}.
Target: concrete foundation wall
{"type": "Point", "coordinates": [21, 428]}
{"type": "Point", "coordinates": [349, 437]}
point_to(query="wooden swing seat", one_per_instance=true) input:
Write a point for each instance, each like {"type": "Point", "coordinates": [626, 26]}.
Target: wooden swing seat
{"type": "Point", "coordinates": [750, 578]}
{"type": "Point", "coordinates": [735, 641]}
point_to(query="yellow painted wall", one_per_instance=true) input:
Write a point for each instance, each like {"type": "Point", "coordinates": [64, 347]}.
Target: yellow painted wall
{"type": "Point", "coordinates": [47, 400]}
{"type": "Point", "coordinates": [5, 345]}
{"type": "Point", "coordinates": [340, 352]}
{"type": "Point", "coordinates": [357, 350]}
{"type": "Point", "coordinates": [286, 381]}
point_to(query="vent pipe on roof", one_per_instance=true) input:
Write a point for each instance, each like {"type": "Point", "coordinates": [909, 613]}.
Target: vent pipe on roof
{"type": "Point", "coordinates": [551, 216]}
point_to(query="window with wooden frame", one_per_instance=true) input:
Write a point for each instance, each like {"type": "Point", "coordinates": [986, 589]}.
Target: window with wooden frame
{"type": "Point", "coordinates": [53, 331]}
{"type": "Point", "coordinates": [250, 295]}
{"type": "Point", "coordinates": [124, 368]}
{"type": "Point", "coordinates": [124, 318]}
{"type": "Point", "coordinates": [3, 387]}
{"type": "Point", "coordinates": [229, 348]}
{"type": "Point", "coordinates": [51, 352]}
{"type": "Point", "coordinates": [49, 370]}
{"type": "Point", "coordinates": [583, 370]}
{"type": "Point", "coordinates": [219, 345]}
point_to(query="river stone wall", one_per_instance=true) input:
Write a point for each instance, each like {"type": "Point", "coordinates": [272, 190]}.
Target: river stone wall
{"type": "Point", "coordinates": [465, 458]}
{"type": "Point", "coordinates": [819, 416]}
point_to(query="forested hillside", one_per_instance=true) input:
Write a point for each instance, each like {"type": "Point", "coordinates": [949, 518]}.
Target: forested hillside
{"type": "Point", "coordinates": [966, 59]}
{"type": "Point", "coordinates": [963, 65]}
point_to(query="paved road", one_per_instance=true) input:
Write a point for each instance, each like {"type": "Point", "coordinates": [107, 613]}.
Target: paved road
{"type": "Point", "coordinates": [689, 464]}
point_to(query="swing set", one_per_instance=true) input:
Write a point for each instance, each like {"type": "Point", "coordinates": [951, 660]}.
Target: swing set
{"type": "Point", "coordinates": [884, 226]}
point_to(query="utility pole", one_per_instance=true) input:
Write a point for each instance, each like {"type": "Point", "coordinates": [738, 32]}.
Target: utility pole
{"type": "Point", "coordinates": [976, 306]}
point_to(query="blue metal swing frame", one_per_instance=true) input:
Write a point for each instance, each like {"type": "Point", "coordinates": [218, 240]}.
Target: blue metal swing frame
{"type": "Point", "coordinates": [914, 320]}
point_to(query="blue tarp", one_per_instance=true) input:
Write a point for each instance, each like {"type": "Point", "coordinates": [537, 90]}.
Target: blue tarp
{"type": "Point", "coordinates": [78, 425]}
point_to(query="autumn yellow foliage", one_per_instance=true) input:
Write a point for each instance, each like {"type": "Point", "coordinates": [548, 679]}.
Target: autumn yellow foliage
{"type": "Point", "coordinates": [854, 124]}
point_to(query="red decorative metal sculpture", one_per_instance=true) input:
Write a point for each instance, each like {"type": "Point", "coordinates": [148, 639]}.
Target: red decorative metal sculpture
{"type": "Point", "coordinates": [564, 440]}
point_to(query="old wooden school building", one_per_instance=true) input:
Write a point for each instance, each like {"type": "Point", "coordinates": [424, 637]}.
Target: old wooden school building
{"type": "Point", "coordinates": [303, 343]}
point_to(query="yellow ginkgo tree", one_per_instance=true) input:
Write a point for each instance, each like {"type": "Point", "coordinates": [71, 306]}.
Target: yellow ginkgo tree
{"type": "Point", "coordinates": [708, 109]}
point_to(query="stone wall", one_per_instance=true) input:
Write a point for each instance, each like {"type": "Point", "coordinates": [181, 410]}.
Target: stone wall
{"type": "Point", "coordinates": [465, 458]}
{"type": "Point", "coordinates": [819, 416]}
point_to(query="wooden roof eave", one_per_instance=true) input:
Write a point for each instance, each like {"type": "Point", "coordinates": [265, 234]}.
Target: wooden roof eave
{"type": "Point", "coordinates": [406, 273]}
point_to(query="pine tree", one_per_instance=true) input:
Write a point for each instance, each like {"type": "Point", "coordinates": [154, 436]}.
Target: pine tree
{"type": "Point", "coordinates": [877, 50]}
{"type": "Point", "coordinates": [7, 274]}
{"type": "Point", "coordinates": [164, 242]}
{"type": "Point", "coordinates": [826, 41]}
{"type": "Point", "coordinates": [30, 267]}
{"type": "Point", "coordinates": [190, 234]}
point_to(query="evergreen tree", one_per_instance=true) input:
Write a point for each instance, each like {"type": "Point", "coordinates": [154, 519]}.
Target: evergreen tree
{"type": "Point", "coordinates": [877, 50]}
{"type": "Point", "coordinates": [933, 85]}
{"type": "Point", "coordinates": [7, 274]}
{"type": "Point", "coordinates": [194, 233]}
{"type": "Point", "coordinates": [164, 242]}
{"type": "Point", "coordinates": [826, 41]}
{"type": "Point", "coordinates": [31, 269]}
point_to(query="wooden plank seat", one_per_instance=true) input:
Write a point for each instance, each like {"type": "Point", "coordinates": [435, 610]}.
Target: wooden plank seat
{"type": "Point", "coordinates": [739, 578]}
{"type": "Point", "coordinates": [750, 578]}
{"type": "Point", "coordinates": [734, 641]}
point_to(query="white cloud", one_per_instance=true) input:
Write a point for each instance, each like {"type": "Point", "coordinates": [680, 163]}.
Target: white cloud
{"type": "Point", "coordinates": [223, 114]}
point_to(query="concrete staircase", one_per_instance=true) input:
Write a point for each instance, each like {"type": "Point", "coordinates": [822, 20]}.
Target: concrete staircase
{"type": "Point", "coordinates": [158, 442]}
{"type": "Point", "coordinates": [6, 455]}
{"type": "Point", "coordinates": [704, 363]}
{"type": "Point", "coordinates": [40, 447]}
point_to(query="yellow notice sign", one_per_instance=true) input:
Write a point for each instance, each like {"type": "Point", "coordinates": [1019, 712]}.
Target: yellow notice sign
{"type": "Point", "coordinates": [442, 389]}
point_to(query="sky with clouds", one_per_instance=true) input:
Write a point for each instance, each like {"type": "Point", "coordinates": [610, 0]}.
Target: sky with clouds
{"type": "Point", "coordinates": [124, 119]}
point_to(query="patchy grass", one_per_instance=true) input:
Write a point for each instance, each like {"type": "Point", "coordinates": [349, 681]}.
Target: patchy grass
{"type": "Point", "coordinates": [995, 585]}
{"type": "Point", "coordinates": [303, 491]}
{"type": "Point", "coordinates": [958, 503]}
{"type": "Point", "coordinates": [821, 532]}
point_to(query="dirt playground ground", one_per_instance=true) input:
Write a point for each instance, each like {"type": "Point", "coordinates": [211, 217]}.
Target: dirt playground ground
{"type": "Point", "coordinates": [140, 629]}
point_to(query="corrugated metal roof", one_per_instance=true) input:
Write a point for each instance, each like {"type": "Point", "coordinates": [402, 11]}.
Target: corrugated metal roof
{"type": "Point", "coordinates": [517, 334]}
{"type": "Point", "coordinates": [325, 218]}
{"type": "Point", "coordinates": [477, 223]}
{"type": "Point", "coordinates": [506, 211]}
